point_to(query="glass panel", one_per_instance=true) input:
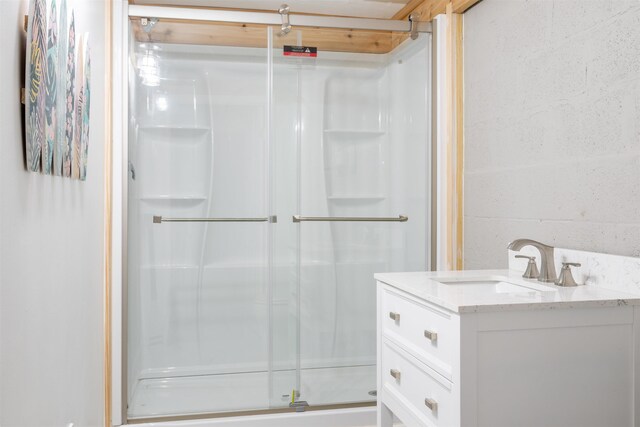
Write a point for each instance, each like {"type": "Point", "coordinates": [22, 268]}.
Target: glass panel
{"type": "Point", "coordinates": [284, 131]}
{"type": "Point", "coordinates": [199, 292]}
{"type": "Point", "coordinates": [357, 124]}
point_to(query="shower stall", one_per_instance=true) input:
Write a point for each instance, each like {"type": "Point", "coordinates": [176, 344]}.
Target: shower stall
{"type": "Point", "coordinates": [262, 191]}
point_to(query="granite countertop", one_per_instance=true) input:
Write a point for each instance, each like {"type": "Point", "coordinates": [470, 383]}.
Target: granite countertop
{"type": "Point", "coordinates": [528, 295]}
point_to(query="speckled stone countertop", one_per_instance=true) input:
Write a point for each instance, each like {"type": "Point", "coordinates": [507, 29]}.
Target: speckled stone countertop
{"type": "Point", "coordinates": [527, 295]}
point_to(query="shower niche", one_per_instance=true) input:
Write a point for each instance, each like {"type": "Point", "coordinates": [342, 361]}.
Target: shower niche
{"type": "Point", "coordinates": [263, 194]}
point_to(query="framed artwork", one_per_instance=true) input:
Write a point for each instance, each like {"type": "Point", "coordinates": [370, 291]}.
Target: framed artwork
{"type": "Point", "coordinates": [35, 84]}
{"type": "Point", "coordinates": [77, 133]}
{"type": "Point", "coordinates": [57, 92]}
{"type": "Point", "coordinates": [86, 109]}
{"type": "Point", "coordinates": [61, 89]}
{"type": "Point", "coordinates": [70, 90]}
{"type": "Point", "coordinates": [51, 97]}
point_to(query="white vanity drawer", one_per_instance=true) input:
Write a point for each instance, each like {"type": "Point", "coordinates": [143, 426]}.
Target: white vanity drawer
{"type": "Point", "coordinates": [426, 331]}
{"type": "Point", "coordinates": [425, 394]}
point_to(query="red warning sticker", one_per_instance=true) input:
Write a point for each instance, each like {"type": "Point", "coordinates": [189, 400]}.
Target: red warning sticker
{"type": "Point", "coordinates": [303, 51]}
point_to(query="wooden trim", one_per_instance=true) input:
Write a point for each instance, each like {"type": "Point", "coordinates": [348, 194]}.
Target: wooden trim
{"type": "Point", "coordinates": [407, 9]}
{"type": "Point", "coordinates": [333, 40]}
{"type": "Point", "coordinates": [461, 6]}
{"type": "Point", "coordinates": [454, 95]}
{"type": "Point", "coordinates": [108, 96]}
{"type": "Point", "coordinates": [254, 35]}
{"type": "Point", "coordinates": [449, 112]}
{"type": "Point", "coordinates": [457, 30]}
{"type": "Point", "coordinates": [452, 141]}
{"type": "Point", "coordinates": [435, 7]}
{"type": "Point", "coordinates": [428, 9]}
{"type": "Point", "coordinates": [435, 131]}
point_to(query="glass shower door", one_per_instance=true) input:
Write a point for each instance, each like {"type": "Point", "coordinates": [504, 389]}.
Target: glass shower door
{"type": "Point", "coordinates": [351, 134]}
{"type": "Point", "coordinates": [200, 230]}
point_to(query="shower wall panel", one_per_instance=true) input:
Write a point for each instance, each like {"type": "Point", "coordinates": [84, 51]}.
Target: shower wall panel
{"type": "Point", "coordinates": [199, 150]}
{"type": "Point", "coordinates": [262, 308]}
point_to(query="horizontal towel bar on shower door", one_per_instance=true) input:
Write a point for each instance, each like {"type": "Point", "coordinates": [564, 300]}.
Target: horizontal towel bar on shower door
{"type": "Point", "coordinates": [160, 220]}
{"type": "Point", "coordinates": [399, 218]}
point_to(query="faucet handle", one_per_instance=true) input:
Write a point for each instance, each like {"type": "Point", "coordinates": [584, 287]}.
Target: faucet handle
{"type": "Point", "coordinates": [532, 269]}
{"type": "Point", "coordinates": [572, 264]}
{"type": "Point", "coordinates": [565, 278]}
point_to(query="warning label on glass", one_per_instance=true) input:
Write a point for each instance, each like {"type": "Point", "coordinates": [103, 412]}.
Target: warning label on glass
{"type": "Point", "coordinates": [304, 51]}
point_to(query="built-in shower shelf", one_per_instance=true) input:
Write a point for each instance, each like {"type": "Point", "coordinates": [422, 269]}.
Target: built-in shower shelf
{"type": "Point", "coordinates": [354, 132]}
{"type": "Point", "coordinates": [174, 138]}
{"type": "Point", "coordinates": [372, 197]}
{"type": "Point", "coordinates": [167, 267]}
{"type": "Point", "coordinates": [186, 129]}
{"type": "Point", "coordinates": [171, 198]}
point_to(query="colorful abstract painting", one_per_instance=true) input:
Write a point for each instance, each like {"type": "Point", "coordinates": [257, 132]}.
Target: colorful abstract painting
{"type": "Point", "coordinates": [61, 89]}
{"type": "Point", "coordinates": [51, 98]}
{"type": "Point", "coordinates": [35, 84]}
{"type": "Point", "coordinates": [57, 92]}
{"type": "Point", "coordinates": [70, 90]}
{"type": "Point", "coordinates": [77, 133]}
{"type": "Point", "coordinates": [86, 109]}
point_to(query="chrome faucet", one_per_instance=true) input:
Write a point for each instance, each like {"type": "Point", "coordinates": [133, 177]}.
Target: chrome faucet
{"type": "Point", "coordinates": [547, 265]}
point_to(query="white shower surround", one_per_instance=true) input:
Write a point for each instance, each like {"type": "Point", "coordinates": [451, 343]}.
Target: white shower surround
{"type": "Point", "coordinates": [401, 100]}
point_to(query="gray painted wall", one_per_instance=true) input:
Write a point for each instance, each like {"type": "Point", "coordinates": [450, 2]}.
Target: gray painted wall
{"type": "Point", "coordinates": [51, 255]}
{"type": "Point", "coordinates": [552, 126]}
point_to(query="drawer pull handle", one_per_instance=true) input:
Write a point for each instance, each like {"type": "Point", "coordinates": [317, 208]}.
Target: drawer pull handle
{"type": "Point", "coordinates": [395, 374]}
{"type": "Point", "coordinates": [431, 336]}
{"type": "Point", "coordinates": [394, 316]}
{"type": "Point", "coordinates": [431, 404]}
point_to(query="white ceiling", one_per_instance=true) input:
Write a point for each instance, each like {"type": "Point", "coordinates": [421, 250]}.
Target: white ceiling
{"type": "Point", "coordinates": [362, 8]}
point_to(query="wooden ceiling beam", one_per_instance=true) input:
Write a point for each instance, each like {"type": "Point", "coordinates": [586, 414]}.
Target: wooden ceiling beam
{"type": "Point", "coordinates": [407, 9]}
{"type": "Point", "coordinates": [461, 6]}
{"type": "Point", "coordinates": [428, 9]}
{"type": "Point", "coordinates": [253, 35]}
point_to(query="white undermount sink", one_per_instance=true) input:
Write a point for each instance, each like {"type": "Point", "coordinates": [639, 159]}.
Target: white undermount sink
{"type": "Point", "coordinates": [499, 285]}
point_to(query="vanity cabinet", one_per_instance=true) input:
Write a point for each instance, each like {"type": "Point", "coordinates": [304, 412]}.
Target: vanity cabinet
{"type": "Point", "coordinates": [529, 365]}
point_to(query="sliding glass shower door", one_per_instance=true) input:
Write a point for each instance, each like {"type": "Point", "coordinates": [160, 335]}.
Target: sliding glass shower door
{"type": "Point", "coordinates": [351, 133]}
{"type": "Point", "coordinates": [264, 191]}
{"type": "Point", "coordinates": [200, 230]}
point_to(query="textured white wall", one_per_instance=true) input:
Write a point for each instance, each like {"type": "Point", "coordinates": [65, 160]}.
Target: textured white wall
{"type": "Point", "coordinates": [51, 255]}
{"type": "Point", "coordinates": [552, 126]}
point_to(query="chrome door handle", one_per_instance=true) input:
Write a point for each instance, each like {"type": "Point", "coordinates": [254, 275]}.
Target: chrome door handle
{"type": "Point", "coordinates": [395, 373]}
{"type": "Point", "coordinates": [431, 404]}
{"type": "Point", "coordinates": [159, 219]}
{"type": "Point", "coordinates": [430, 335]}
{"type": "Point", "coordinates": [394, 316]}
{"type": "Point", "coordinates": [399, 218]}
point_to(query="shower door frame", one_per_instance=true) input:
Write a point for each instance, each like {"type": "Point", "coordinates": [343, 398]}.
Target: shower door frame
{"type": "Point", "coordinates": [121, 34]}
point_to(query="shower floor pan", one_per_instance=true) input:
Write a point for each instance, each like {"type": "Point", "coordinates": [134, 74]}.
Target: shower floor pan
{"type": "Point", "coordinates": [206, 394]}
